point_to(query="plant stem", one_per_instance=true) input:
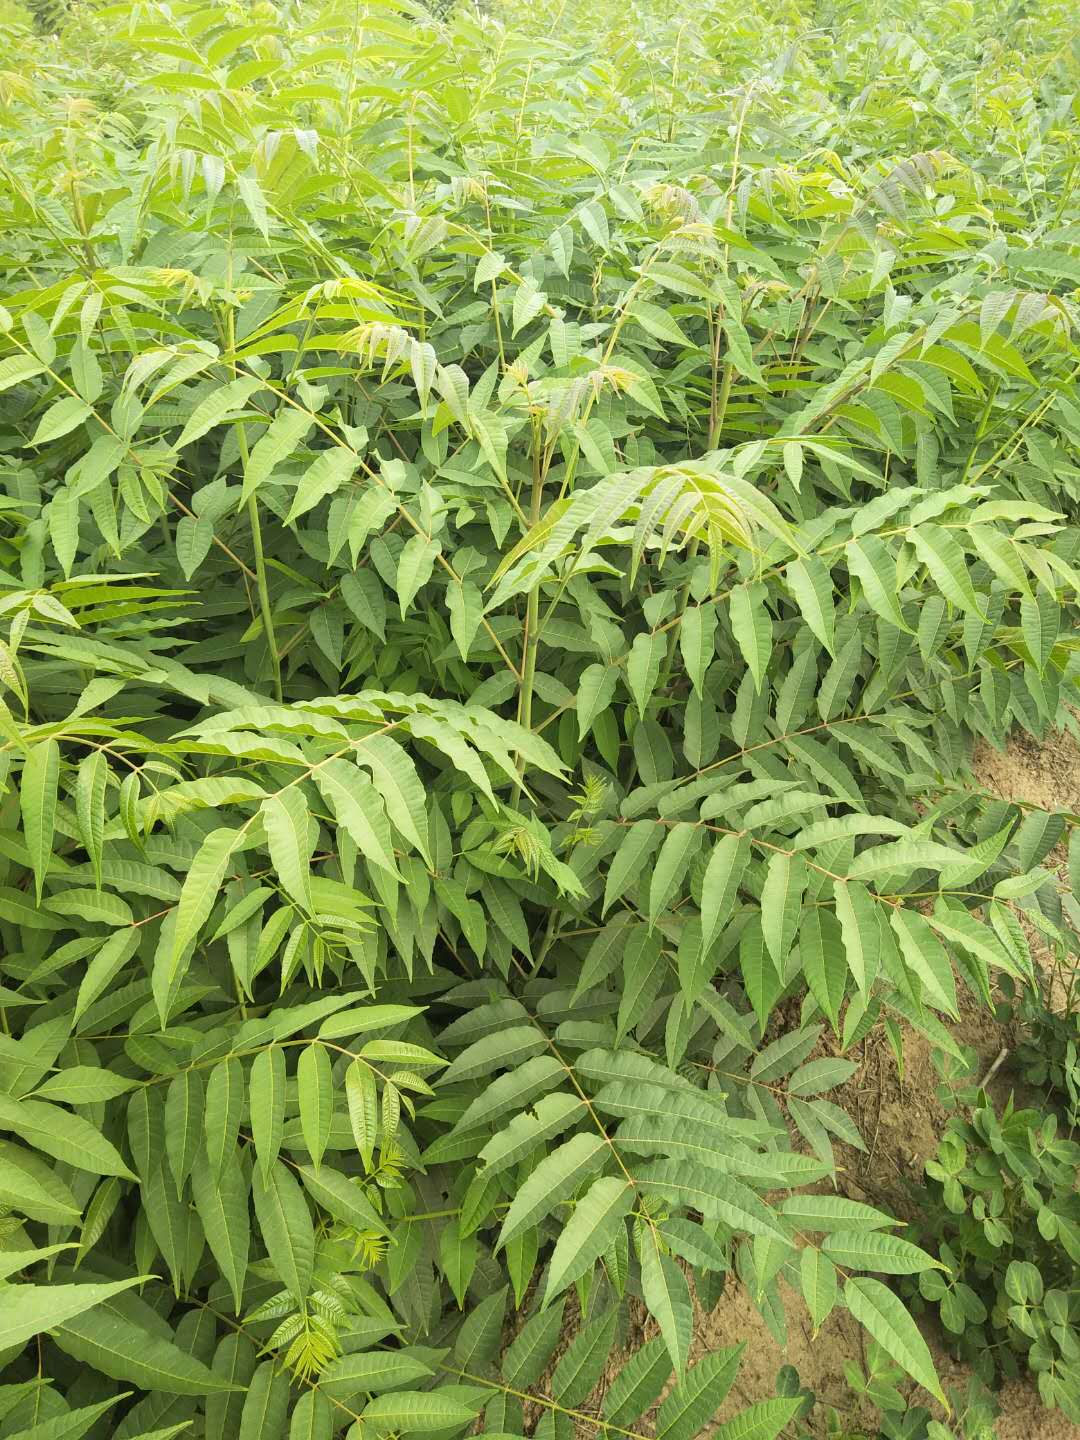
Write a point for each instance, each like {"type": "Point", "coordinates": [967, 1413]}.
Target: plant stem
{"type": "Point", "coordinates": [531, 637]}
{"type": "Point", "coordinates": [264, 594]}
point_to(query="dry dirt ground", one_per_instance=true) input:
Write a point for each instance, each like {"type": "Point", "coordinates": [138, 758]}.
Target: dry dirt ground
{"type": "Point", "coordinates": [901, 1118]}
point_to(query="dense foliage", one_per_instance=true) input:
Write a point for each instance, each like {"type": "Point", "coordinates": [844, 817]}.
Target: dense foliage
{"type": "Point", "coordinates": [1002, 1212]}
{"type": "Point", "coordinates": [509, 531]}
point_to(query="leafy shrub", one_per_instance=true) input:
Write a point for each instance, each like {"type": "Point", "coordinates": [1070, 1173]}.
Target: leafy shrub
{"type": "Point", "coordinates": [897, 1417]}
{"type": "Point", "coordinates": [1003, 1215]}
{"type": "Point", "coordinates": [503, 561]}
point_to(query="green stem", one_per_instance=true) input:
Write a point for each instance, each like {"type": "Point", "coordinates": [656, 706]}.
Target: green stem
{"type": "Point", "coordinates": [532, 609]}
{"type": "Point", "coordinates": [264, 594]}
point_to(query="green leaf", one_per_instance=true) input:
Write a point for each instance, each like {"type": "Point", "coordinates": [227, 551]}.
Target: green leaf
{"type": "Point", "coordinates": [696, 636]}
{"type": "Point", "coordinates": [199, 894]}
{"type": "Point", "coordinates": [395, 778]}
{"type": "Point", "coordinates": [870, 1250]}
{"type": "Point", "coordinates": [667, 1297]}
{"type": "Point", "coordinates": [554, 1179]}
{"type": "Point", "coordinates": [223, 403]}
{"type": "Point", "coordinates": [285, 432]}
{"type": "Point", "coordinates": [859, 930]}
{"type": "Point", "coordinates": [532, 1348]}
{"type": "Point", "coordinates": [824, 961]}
{"type": "Point", "coordinates": [114, 1342]}
{"type": "Point", "coordinates": [942, 555]}
{"type": "Point", "coordinates": [289, 838]}
{"type": "Point", "coordinates": [415, 565]}
{"type": "Point", "coordinates": [341, 1197]}
{"type": "Point", "coordinates": [68, 1426]}
{"type": "Point", "coordinates": [225, 1093]}
{"type": "Point", "coordinates": [29, 1309]}
{"type": "Point", "coordinates": [266, 1403]}
{"type": "Point", "coordinates": [359, 810]}
{"type": "Point", "coordinates": [60, 419]}
{"type": "Point", "coordinates": [817, 1277]}
{"type": "Point", "coordinates": [878, 1309]}
{"type": "Point", "coordinates": [582, 1363]}
{"type": "Point", "coordinates": [286, 1229]}
{"type": "Point", "coordinates": [638, 844]}
{"type": "Point", "coordinates": [719, 889]}
{"type": "Point", "coordinates": [266, 1103]}
{"type": "Point", "coordinates": [63, 1135]}
{"type": "Point", "coordinates": [692, 1403]}
{"type": "Point", "coordinates": [781, 901]}
{"type": "Point", "coordinates": [37, 798]}
{"type": "Point", "coordinates": [90, 808]}
{"type": "Point", "coordinates": [315, 1094]}
{"type": "Point", "coordinates": [751, 625]}
{"type": "Point", "coordinates": [925, 956]}
{"type": "Point", "coordinates": [681, 844]}
{"type": "Point", "coordinates": [811, 588]}
{"type": "Point", "coordinates": [588, 1233]}
{"type": "Point", "coordinates": [185, 1118]}
{"type": "Point", "coordinates": [362, 1097]}
{"type": "Point", "coordinates": [762, 1421]}
{"type": "Point", "coordinates": [221, 1200]}
{"type": "Point", "coordinates": [312, 1417]}
{"type": "Point", "coordinates": [408, 1411]}
{"type": "Point", "coordinates": [639, 1383]}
